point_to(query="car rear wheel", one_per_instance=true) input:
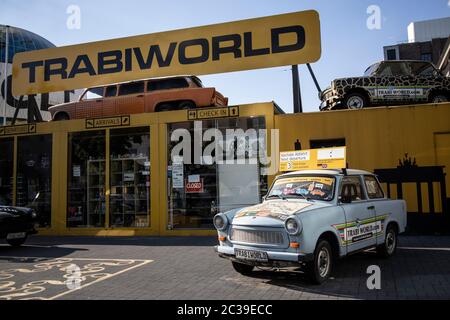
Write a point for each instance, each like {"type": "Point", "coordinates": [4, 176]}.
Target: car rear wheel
{"type": "Point", "coordinates": [165, 107]}
{"type": "Point", "coordinates": [243, 269]}
{"type": "Point", "coordinates": [438, 98]}
{"type": "Point", "coordinates": [16, 242]}
{"type": "Point", "coordinates": [319, 270]}
{"type": "Point", "coordinates": [388, 248]}
{"type": "Point", "coordinates": [186, 105]}
{"type": "Point", "coordinates": [61, 116]}
{"type": "Point", "coordinates": [355, 101]}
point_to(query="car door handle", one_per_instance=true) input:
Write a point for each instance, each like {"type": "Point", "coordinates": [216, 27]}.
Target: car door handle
{"type": "Point", "coordinates": [371, 208]}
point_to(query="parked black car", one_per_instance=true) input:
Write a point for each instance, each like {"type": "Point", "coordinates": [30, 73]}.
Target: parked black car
{"type": "Point", "coordinates": [16, 224]}
{"type": "Point", "coordinates": [388, 83]}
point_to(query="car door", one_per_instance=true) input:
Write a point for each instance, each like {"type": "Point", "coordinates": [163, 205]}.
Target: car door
{"type": "Point", "coordinates": [427, 77]}
{"type": "Point", "coordinates": [395, 83]}
{"type": "Point", "coordinates": [130, 98]}
{"type": "Point", "coordinates": [380, 205]}
{"type": "Point", "coordinates": [90, 105]}
{"type": "Point", "coordinates": [359, 215]}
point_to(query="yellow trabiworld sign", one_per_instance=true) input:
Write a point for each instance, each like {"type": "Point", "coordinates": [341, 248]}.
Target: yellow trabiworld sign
{"type": "Point", "coordinates": [280, 40]}
{"type": "Point", "coordinates": [326, 158]}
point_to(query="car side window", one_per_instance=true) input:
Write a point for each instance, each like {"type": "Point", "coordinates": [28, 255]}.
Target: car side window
{"type": "Point", "coordinates": [93, 93]}
{"type": "Point", "coordinates": [351, 186]}
{"type": "Point", "coordinates": [131, 88]}
{"type": "Point", "coordinates": [394, 69]}
{"type": "Point", "coordinates": [422, 69]}
{"type": "Point", "coordinates": [373, 188]}
{"type": "Point", "coordinates": [110, 91]}
{"type": "Point", "coordinates": [165, 84]}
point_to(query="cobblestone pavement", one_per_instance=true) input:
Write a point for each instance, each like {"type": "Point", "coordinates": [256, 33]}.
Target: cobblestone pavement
{"type": "Point", "coordinates": [188, 268]}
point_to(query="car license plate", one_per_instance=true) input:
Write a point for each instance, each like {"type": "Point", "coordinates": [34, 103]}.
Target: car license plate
{"type": "Point", "coordinates": [251, 255]}
{"type": "Point", "coordinates": [18, 235]}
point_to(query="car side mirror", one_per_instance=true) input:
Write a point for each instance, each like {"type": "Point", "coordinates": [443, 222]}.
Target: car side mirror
{"type": "Point", "coordinates": [345, 199]}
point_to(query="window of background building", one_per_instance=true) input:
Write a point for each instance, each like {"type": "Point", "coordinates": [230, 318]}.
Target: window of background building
{"type": "Point", "coordinates": [391, 54]}
{"type": "Point", "coordinates": [6, 171]}
{"type": "Point", "coordinates": [198, 191]}
{"type": "Point", "coordinates": [34, 175]}
{"type": "Point", "coordinates": [327, 143]}
{"type": "Point", "coordinates": [426, 57]}
{"type": "Point", "coordinates": [130, 177]}
{"type": "Point", "coordinates": [86, 179]}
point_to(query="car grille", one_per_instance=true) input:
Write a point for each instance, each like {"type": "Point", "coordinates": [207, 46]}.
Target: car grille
{"type": "Point", "coordinates": [257, 236]}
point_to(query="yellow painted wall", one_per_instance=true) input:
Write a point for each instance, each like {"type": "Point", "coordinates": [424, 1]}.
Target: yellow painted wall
{"type": "Point", "coordinates": [377, 138]}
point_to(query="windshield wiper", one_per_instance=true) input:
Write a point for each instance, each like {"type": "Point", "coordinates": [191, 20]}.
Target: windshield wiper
{"type": "Point", "coordinates": [276, 195]}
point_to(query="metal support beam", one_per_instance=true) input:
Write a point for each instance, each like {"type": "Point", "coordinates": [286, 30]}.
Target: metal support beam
{"type": "Point", "coordinates": [313, 76]}
{"type": "Point", "coordinates": [296, 90]}
{"type": "Point", "coordinates": [5, 92]}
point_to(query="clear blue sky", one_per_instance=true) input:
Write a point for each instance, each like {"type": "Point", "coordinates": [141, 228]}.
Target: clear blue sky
{"type": "Point", "coordinates": [348, 46]}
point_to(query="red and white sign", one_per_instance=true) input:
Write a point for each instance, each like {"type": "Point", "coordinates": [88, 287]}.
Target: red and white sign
{"type": "Point", "coordinates": [194, 187]}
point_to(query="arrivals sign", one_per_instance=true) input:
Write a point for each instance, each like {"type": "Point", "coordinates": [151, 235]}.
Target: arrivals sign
{"type": "Point", "coordinates": [286, 39]}
{"type": "Point", "coordinates": [325, 158]}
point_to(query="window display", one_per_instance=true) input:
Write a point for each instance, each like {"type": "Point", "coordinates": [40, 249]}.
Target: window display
{"type": "Point", "coordinates": [130, 177]}
{"type": "Point", "coordinates": [197, 191]}
{"type": "Point", "coordinates": [86, 180]}
{"type": "Point", "coordinates": [34, 175]}
{"type": "Point", "coordinates": [6, 171]}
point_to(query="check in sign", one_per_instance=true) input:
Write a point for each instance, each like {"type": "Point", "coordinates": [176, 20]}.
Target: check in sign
{"type": "Point", "coordinates": [326, 158]}
{"type": "Point", "coordinates": [286, 39]}
{"type": "Point", "coordinates": [211, 113]}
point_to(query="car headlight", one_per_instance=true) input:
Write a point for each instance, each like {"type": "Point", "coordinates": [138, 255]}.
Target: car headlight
{"type": "Point", "coordinates": [293, 226]}
{"type": "Point", "coordinates": [33, 214]}
{"type": "Point", "coordinates": [220, 221]}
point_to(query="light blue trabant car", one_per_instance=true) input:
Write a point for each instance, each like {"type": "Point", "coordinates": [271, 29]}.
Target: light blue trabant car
{"type": "Point", "coordinates": [310, 218]}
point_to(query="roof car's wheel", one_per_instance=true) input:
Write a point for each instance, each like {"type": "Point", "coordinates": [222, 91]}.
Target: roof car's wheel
{"type": "Point", "coordinates": [355, 100]}
{"type": "Point", "coordinates": [61, 116]}
{"type": "Point", "coordinates": [244, 269]}
{"type": "Point", "coordinates": [186, 105]}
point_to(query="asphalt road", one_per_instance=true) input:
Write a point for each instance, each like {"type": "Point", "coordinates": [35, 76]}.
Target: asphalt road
{"type": "Point", "coordinates": [188, 268]}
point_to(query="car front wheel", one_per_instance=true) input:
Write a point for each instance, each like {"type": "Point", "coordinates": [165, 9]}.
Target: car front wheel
{"type": "Point", "coordinates": [16, 242]}
{"type": "Point", "coordinates": [355, 101]}
{"type": "Point", "coordinates": [319, 270]}
{"type": "Point", "coordinates": [243, 269]}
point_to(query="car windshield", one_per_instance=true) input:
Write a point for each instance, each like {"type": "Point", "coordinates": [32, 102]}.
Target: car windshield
{"type": "Point", "coordinates": [307, 187]}
{"type": "Point", "coordinates": [370, 70]}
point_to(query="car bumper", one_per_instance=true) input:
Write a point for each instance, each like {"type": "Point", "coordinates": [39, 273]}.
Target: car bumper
{"type": "Point", "coordinates": [276, 258]}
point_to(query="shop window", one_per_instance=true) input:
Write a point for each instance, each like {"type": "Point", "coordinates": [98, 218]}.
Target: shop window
{"type": "Point", "coordinates": [130, 177]}
{"type": "Point", "coordinates": [86, 179]}
{"type": "Point", "coordinates": [197, 191]}
{"type": "Point", "coordinates": [6, 171]}
{"type": "Point", "coordinates": [34, 175]}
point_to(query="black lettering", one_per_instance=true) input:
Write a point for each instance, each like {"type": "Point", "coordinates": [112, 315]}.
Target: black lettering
{"type": "Point", "coordinates": [77, 69]}
{"type": "Point", "coordinates": [248, 47]}
{"type": "Point", "coordinates": [155, 50]}
{"type": "Point", "coordinates": [103, 61]}
{"type": "Point", "coordinates": [204, 56]}
{"type": "Point", "coordinates": [62, 70]}
{"type": "Point", "coordinates": [32, 72]}
{"type": "Point", "coordinates": [277, 48]}
{"type": "Point", "coordinates": [128, 59]}
{"type": "Point", "coordinates": [217, 50]}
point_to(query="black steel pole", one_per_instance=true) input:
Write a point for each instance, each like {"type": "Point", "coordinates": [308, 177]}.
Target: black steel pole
{"type": "Point", "coordinates": [313, 76]}
{"type": "Point", "coordinates": [296, 90]}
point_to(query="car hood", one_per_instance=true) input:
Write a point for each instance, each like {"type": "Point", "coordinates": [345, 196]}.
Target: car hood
{"type": "Point", "coordinates": [61, 105]}
{"type": "Point", "coordinates": [273, 213]}
{"type": "Point", "coordinates": [15, 211]}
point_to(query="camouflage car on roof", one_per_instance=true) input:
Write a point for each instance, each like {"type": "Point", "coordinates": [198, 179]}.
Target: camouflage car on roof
{"type": "Point", "coordinates": [388, 83]}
